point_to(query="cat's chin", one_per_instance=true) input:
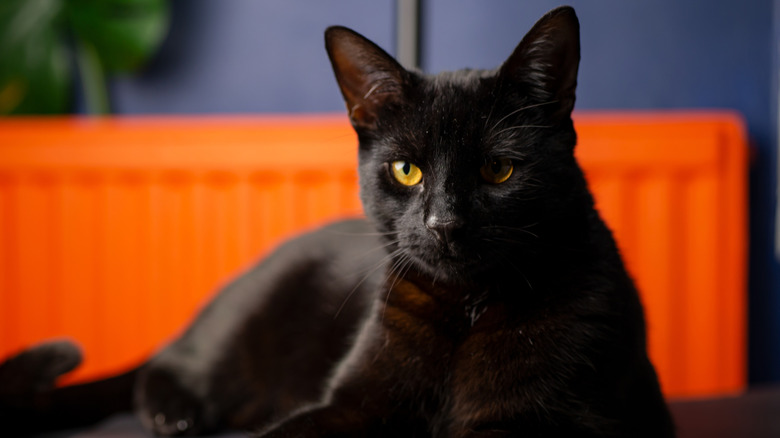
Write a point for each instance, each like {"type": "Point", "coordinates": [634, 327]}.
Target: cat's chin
{"type": "Point", "coordinates": [447, 269]}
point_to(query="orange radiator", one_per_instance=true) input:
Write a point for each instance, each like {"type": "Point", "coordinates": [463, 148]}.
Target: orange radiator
{"type": "Point", "coordinates": [113, 232]}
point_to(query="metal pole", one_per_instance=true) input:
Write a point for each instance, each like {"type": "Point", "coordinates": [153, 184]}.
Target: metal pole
{"type": "Point", "coordinates": [408, 33]}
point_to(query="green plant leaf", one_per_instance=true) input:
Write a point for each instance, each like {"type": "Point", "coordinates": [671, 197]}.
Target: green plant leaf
{"type": "Point", "coordinates": [38, 39]}
{"type": "Point", "coordinates": [34, 67]}
{"type": "Point", "coordinates": [93, 81]}
{"type": "Point", "coordinates": [123, 33]}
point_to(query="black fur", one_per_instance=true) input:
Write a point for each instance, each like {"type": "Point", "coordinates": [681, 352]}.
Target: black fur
{"type": "Point", "coordinates": [461, 308]}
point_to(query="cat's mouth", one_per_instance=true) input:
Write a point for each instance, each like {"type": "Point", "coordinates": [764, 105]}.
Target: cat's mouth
{"type": "Point", "coordinates": [446, 262]}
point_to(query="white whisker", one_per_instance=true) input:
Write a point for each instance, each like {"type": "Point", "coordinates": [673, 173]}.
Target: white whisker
{"type": "Point", "coordinates": [406, 263]}
{"type": "Point", "coordinates": [370, 272]}
{"type": "Point", "coordinates": [519, 110]}
{"type": "Point", "coordinates": [512, 128]}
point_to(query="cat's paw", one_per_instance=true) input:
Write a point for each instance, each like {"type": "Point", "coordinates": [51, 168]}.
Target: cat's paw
{"type": "Point", "coordinates": [166, 407]}
{"type": "Point", "coordinates": [37, 368]}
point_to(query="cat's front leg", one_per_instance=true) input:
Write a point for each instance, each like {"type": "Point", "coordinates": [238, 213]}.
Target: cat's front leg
{"type": "Point", "coordinates": [168, 405]}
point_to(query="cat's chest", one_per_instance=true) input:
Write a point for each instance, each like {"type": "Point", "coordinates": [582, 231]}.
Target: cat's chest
{"type": "Point", "coordinates": [469, 358]}
{"type": "Point", "coordinates": [424, 316]}
{"type": "Point", "coordinates": [454, 338]}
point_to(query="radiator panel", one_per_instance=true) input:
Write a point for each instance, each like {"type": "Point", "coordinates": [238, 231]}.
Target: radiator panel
{"type": "Point", "coordinates": [113, 232]}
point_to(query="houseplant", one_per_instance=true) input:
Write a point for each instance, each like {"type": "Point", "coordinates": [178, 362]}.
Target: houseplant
{"type": "Point", "coordinates": [49, 46]}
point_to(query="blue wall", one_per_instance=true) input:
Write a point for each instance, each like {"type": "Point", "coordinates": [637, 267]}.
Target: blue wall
{"type": "Point", "coordinates": [247, 56]}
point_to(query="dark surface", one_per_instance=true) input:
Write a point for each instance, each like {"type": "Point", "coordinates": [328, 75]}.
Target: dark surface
{"type": "Point", "coordinates": [119, 426]}
{"type": "Point", "coordinates": [755, 414]}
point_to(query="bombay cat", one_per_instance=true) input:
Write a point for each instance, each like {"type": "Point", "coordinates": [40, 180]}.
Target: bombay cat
{"type": "Point", "coordinates": [482, 297]}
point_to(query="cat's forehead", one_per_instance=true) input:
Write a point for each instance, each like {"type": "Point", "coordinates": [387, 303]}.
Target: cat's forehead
{"type": "Point", "coordinates": [458, 87]}
{"type": "Point", "coordinates": [465, 77]}
{"type": "Point", "coordinates": [478, 101]}
{"type": "Point", "coordinates": [451, 99]}
{"type": "Point", "coordinates": [464, 102]}
{"type": "Point", "coordinates": [453, 116]}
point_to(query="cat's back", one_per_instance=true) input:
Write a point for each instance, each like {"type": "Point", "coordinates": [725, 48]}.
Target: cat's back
{"type": "Point", "coordinates": [277, 329]}
{"type": "Point", "coordinates": [354, 239]}
{"type": "Point", "coordinates": [338, 258]}
{"type": "Point", "coordinates": [342, 251]}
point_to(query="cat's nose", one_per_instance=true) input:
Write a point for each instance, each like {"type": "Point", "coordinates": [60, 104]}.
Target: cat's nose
{"type": "Point", "coordinates": [443, 228]}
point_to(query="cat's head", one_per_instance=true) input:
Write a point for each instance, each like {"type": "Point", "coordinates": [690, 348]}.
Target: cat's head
{"type": "Point", "coordinates": [467, 170]}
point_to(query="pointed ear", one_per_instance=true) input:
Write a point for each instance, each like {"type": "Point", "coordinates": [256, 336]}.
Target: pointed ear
{"type": "Point", "coordinates": [546, 61]}
{"type": "Point", "coordinates": [369, 78]}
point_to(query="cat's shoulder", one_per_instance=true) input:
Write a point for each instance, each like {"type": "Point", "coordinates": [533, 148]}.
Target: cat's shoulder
{"type": "Point", "coordinates": [348, 239]}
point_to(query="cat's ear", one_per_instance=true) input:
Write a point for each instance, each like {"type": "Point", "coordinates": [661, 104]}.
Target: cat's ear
{"type": "Point", "coordinates": [546, 61]}
{"type": "Point", "coordinates": [369, 78]}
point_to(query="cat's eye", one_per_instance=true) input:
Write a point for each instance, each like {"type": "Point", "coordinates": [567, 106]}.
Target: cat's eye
{"type": "Point", "coordinates": [497, 170]}
{"type": "Point", "coordinates": [406, 173]}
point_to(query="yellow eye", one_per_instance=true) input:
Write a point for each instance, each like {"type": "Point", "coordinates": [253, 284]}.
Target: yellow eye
{"type": "Point", "coordinates": [406, 173]}
{"type": "Point", "coordinates": [497, 171]}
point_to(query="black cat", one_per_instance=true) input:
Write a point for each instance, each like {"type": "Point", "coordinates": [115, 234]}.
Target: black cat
{"type": "Point", "coordinates": [482, 297]}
